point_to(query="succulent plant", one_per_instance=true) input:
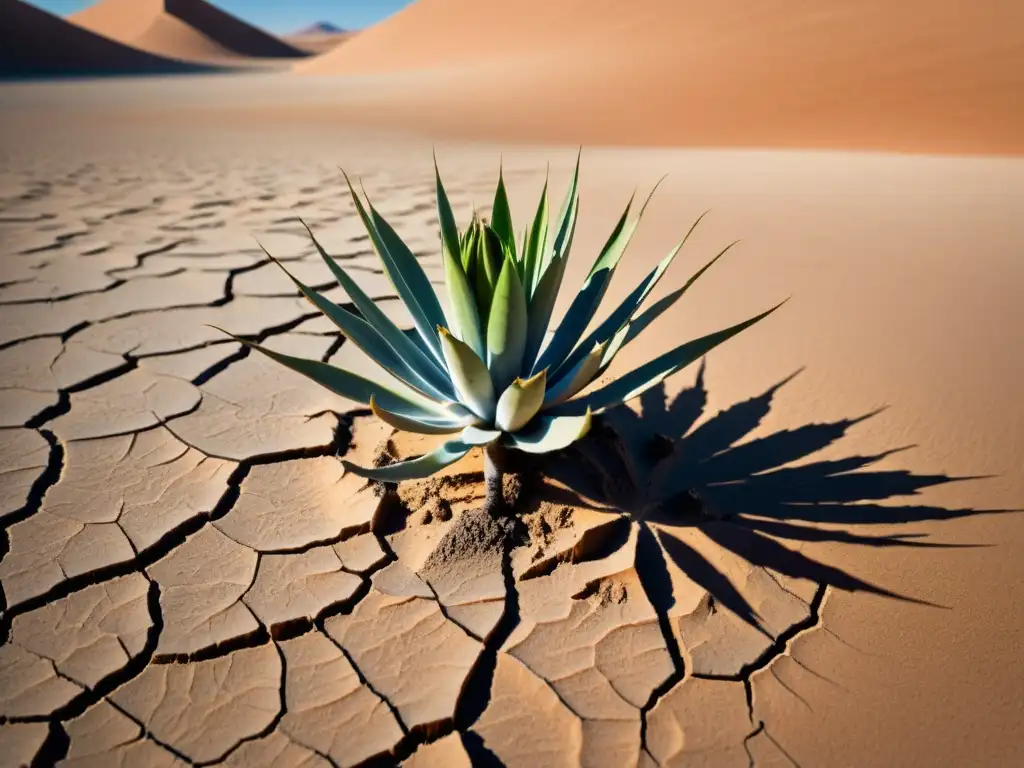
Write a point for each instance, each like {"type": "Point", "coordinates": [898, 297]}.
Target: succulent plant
{"type": "Point", "coordinates": [487, 371]}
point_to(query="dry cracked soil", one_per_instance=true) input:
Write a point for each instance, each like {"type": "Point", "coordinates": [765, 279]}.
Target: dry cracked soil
{"type": "Point", "coordinates": [190, 578]}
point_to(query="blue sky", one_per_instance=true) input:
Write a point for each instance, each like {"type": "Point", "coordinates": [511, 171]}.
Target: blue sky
{"type": "Point", "coordinates": [278, 15]}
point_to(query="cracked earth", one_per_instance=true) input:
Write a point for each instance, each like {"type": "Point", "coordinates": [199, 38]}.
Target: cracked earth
{"type": "Point", "coordinates": [190, 578]}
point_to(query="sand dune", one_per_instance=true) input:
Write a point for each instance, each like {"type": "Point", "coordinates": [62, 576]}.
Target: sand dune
{"type": "Point", "coordinates": [191, 30]}
{"type": "Point", "coordinates": [33, 42]}
{"type": "Point", "coordinates": [920, 75]}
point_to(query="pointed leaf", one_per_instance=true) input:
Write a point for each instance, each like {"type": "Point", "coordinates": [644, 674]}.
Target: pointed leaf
{"type": "Point", "coordinates": [635, 326]}
{"type": "Point", "coordinates": [650, 374]}
{"type": "Point", "coordinates": [501, 217]}
{"type": "Point", "coordinates": [367, 338]}
{"type": "Point", "coordinates": [465, 317]}
{"type": "Point", "coordinates": [428, 338]}
{"type": "Point", "coordinates": [621, 315]}
{"type": "Point", "coordinates": [420, 297]}
{"type": "Point", "coordinates": [584, 372]}
{"type": "Point", "coordinates": [404, 347]}
{"type": "Point", "coordinates": [445, 217]}
{"type": "Point", "coordinates": [552, 433]}
{"type": "Point", "coordinates": [351, 385]}
{"type": "Point", "coordinates": [520, 402]}
{"type": "Point", "coordinates": [422, 426]}
{"type": "Point", "coordinates": [478, 436]}
{"type": "Point", "coordinates": [413, 469]}
{"type": "Point", "coordinates": [470, 376]}
{"type": "Point", "coordinates": [506, 327]}
{"type": "Point", "coordinates": [545, 294]}
{"type": "Point", "coordinates": [536, 242]}
{"type": "Point", "coordinates": [583, 306]}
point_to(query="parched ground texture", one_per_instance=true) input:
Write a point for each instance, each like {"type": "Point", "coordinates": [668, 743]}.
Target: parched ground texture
{"type": "Point", "coordinates": [190, 578]}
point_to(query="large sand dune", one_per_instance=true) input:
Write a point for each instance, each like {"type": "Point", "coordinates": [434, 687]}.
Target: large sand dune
{"type": "Point", "coordinates": [34, 43]}
{"type": "Point", "coordinates": [184, 29]}
{"type": "Point", "coordinates": [919, 75]}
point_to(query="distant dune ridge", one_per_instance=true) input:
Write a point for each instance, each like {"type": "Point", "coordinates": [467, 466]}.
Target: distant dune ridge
{"type": "Point", "coordinates": [319, 37]}
{"type": "Point", "coordinates": [190, 30]}
{"type": "Point", "coordinates": [36, 43]}
{"type": "Point", "coordinates": [318, 28]}
{"type": "Point", "coordinates": [920, 75]}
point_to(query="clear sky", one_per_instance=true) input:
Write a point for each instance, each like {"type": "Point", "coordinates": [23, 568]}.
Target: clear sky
{"type": "Point", "coordinates": [278, 15]}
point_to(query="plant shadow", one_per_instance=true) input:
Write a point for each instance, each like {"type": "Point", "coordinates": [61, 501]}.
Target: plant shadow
{"type": "Point", "coordinates": [670, 473]}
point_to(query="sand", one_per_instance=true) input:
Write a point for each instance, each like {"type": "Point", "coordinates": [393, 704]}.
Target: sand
{"type": "Point", "coordinates": [917, 76]}
{"type": "Point", "coordinates": [141, 421]}
{"type": "Point", "coordinates": [191, 30]}
{"type": "Point", "coordinates": [798, 552]}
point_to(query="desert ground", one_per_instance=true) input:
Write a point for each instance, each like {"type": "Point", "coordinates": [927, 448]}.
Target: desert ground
{"type": "Point", "coordinates": [190, 577]}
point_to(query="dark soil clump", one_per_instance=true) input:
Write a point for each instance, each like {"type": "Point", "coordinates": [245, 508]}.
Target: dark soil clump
{"type": "Point", "coordinates": [473, 533]}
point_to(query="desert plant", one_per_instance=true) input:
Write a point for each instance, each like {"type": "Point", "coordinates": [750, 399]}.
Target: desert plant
{"type": "Point", "coordinates": [482, 369]}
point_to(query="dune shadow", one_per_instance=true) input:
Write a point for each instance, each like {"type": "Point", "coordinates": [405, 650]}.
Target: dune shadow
{"type": "Point", "coordinates": [664, 468]}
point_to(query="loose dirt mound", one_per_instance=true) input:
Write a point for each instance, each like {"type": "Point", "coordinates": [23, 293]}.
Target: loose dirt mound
{"type": "Point", "coordinates": [183, 29]}
{"type": "Point", "coordinates": [33, 43]}
{"type": "Point", "coordinates": [919, 75]}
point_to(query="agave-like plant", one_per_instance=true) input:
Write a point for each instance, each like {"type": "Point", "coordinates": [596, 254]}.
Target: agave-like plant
{"type": "Point", "coordinates": [482, 370]}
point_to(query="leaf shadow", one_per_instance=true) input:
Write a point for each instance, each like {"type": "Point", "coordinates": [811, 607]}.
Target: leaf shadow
{"type": "Point", "coordinates": [757, 497]}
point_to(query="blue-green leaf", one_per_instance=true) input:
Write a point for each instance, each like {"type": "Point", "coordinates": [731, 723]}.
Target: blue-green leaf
{"type": "Point", "coordinates": [633, 327]}
{"type": "Point", "coordinates": [506, 327]}
{"type": "Point", "coordinates": [428, 337]}
{"type": "Point", "coordinates": [621, 315]}
{"type": "Point", "coordinates": [404, 269]}
{"type": "Point", "coordinates": [474, 435]}
{"type": "Point", "coordinates": [350, 385]}
{"type": "Point", "coordinates": [366, 337]}
{"type": "Point", "coordinates": [584, 372]}
{"type": "Point", "coordinates": [413, 469]}
{"type": "Point", "coordinates": [414, 356]}
{"type": "Point", "coordinates": [428, 424]}
{"type": "Point", "coordinates": [653, 373]}
{"type": "Point", "coordinates": [551, 433]}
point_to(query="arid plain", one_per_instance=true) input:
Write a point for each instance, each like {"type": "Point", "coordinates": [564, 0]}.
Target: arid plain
{"type": "Point", "coordinates": [190, 578]}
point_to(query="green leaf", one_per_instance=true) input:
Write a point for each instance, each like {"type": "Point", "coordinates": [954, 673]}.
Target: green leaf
{"type": "Point", "coordinates": [445, 217]}
{"type": "Point", "coordinates": [477, 436]}
{"type": "Point", "coordinates": [414, 355]}
{"type": "Point", "coordinates": [520, 402]}
{"type": "Point", "coordinates": [501, 217]}
{"type": "Point", "coordinates": [621, 315]}
{"type": "Point", "coordinates": [536, 242]}
{"type": "Point", "coordinates": [506, 327]}
{"type": "Point", "coordinates": [552, 433]}
{"type": "Point", "coordinates": [366, 337]}
{"type": "Point", "coordinates": [584, 372]}
{"type": "Point", "coordinates": [465, 316]}
{"type": "Point", "coordinates": [470, 376]}
{"type": "Point", "coordinates": [635, 326]}
{"type": "Point", "coordinates": [653, 373]}
{"type": "Point", "coordinates": [428, 336]}
{"type": "Point", "coordinates": [413, 469]}
{"type": "Point", "coordinates": [584, 306]}
{"type": "Point", "coordinates": [350, 385]}
{"type": "Point", "coordinates": [566, 218]}
{"type": "Point", "coordinates": [404, 269]}
{"type": "Point", "coordinates": [545, 294]}
{"type": "Point", "coordinates": [422, 426]}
